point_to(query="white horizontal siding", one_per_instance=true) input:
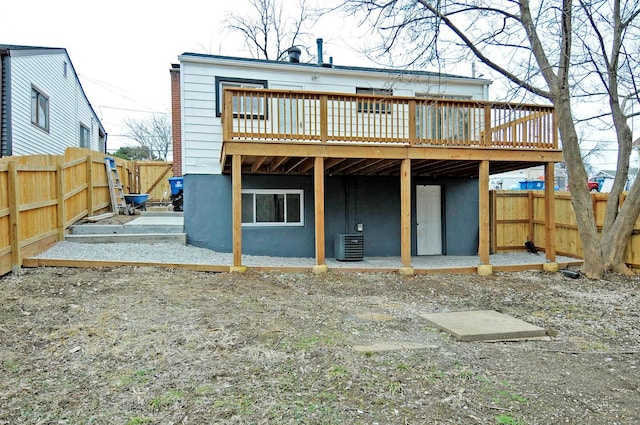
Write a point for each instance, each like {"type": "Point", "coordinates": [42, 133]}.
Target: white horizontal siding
{"type": "Point", "coordinates": [68, 107]}
{"type": "Point", "coordinates": [202, 130]}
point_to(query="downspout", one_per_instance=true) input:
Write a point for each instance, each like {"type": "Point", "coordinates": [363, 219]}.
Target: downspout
{"type": "Point", "coordinates": [2, 54]}
{"type": "Point", "coordinates": [6, 144]}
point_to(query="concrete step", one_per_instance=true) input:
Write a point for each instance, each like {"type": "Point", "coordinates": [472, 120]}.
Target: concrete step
{"type": "Point", "coordinates": [180, 238]}
{"type": "Point", "coordinates": [152, 213]}
{"type": "Point", "coordinates": [124, 229]}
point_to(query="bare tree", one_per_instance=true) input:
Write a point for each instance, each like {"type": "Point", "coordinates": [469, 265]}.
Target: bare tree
{"type": "Point", "coordinates": [557, 50]}
{"type": "Point", "coordinates": [152, 132]}
{"type": "Point", "coordinates": [269, 30]}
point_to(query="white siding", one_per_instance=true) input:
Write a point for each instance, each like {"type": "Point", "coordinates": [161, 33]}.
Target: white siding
{"type": "Point", "coordinates": [202, 130]}
{"type": "Point", "coordinates": [68, 107]}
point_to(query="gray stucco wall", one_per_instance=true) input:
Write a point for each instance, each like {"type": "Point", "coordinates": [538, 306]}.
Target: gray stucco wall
{"type": "Point", "coordinates": [372, 201]}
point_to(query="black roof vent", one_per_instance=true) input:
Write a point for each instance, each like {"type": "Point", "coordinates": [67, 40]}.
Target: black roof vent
{"type": "Point", "coordinates": [294, 54]}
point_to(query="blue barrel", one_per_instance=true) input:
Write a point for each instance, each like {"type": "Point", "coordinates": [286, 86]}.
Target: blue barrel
{"type": "Point", "coordinates": [177, 184]}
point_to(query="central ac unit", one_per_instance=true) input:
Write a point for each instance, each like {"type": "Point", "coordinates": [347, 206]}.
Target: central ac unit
{"type": "Point", "coordinates": [349, 247]}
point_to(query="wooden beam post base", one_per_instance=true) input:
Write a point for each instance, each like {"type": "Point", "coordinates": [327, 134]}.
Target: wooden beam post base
{"type": "Point", "coordinates": [485, 269]}
{"type": "Point", "coordinates": [320, 269]}
{"type": "Point", "coordinates": [406, 271]}
{"type": "Point", "coordinates": [238, 269]}
{"type": "Point", "coordinates": [550, 267]}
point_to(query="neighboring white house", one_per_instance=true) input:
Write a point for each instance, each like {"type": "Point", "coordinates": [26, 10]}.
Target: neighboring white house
{"type": "Point", "coordinates": [44, 109]}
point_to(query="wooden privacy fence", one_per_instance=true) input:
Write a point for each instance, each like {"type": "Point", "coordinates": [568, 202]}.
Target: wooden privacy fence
{"type": "Point", "coordinates": [42, 195]}
{"type": "Point", "coordinates": [518, 216]}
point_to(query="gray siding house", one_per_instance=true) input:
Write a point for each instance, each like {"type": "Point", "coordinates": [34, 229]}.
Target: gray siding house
{"type": "Point", "coordinates": [282, 158]}
{"type": "Point", "coordinates": [44, 109]}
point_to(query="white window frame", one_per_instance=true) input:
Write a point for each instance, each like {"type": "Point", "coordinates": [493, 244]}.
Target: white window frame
{"type": "Point", "coordinates": [372, 107]}
{"type": "Point", "coordinates": [259, 109]}
{"type": "Point", "coordinates": [37, 111]}
{"type": "Point", "coordinates": [85, 143]}
{"type": "Point", "coordinates": [275, 192]}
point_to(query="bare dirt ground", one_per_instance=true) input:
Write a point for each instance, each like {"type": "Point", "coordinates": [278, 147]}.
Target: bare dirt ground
{"type": "Point", "coordinates": [155, 346]}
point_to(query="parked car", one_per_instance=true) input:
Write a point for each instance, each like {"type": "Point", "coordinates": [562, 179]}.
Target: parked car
{"type": "Point", "coordinates": [594, 186]}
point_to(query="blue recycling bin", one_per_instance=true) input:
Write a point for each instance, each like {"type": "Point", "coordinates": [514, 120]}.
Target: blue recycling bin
{"type": "Point", "coordinates": [531, 184]}
{"type": "Point", "coordinates": [177, 184]}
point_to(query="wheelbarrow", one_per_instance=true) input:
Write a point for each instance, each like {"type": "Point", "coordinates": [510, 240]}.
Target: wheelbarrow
{"type": "Point", "coordinates": [136, 201]}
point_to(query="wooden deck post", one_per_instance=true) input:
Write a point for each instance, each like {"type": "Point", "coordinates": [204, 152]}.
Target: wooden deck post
{"type": "Point", "coordinates": [486, 136]}
{"type": "Point", "coordinates": [483, 212]}
{"type": "Point", "coordinates": [227, 114]}
{"type": "Point", "coordinates": [549, 212]}
{"type": "Point", "coordinates": [236, 190]}
{"type": "Point", "coordinates": [324, 118]}
{"type": "Point", "coordinates": [413, 131]}
{"type": "Point", "coordinates": [405, 216]}
{"type": "Point", "coordinates": [318, 196]}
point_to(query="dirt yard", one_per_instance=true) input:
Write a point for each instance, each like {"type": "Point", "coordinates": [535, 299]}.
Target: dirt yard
{"type": "Point", "coordinates": [154, 346]}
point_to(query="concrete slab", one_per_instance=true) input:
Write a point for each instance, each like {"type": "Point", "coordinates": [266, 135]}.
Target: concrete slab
{"type": "Point", "coordinates": [389, 346]}
{"type": "Point", "coordinates": [180, 238]}
{"type": "Point", "coordinates": [484, 325]}
{"type": "Point", "coordinates": [156, 221]}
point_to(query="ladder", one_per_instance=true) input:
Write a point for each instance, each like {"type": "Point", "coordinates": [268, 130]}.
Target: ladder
{"type": "Point", "coordinates": [118, 201]}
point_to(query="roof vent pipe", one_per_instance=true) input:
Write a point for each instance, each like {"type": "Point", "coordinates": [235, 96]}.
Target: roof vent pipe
{"type": "Point", "coordinates": [294, 54]}
{"type": "Point", "coordinates": [319, 42]}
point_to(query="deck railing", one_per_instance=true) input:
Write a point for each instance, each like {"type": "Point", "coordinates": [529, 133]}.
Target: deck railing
{"type": "Point", "coordinates": [281, 115]}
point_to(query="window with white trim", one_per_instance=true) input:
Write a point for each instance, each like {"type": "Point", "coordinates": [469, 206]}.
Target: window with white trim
{"type": "Point", "coordinates": [374, 106]}
{"type": "Point", "coordinates": [39, 109]}
{"type": "Point", "coordinates": [85, 136]}
{"type": "Point", "coordinates": [247, 107]}
{"type": "Point", "coordinates": [272, 207]}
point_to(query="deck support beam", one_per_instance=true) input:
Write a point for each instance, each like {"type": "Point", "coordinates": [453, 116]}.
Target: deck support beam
{"type": "Point", "coordinates": [318, 196]}
{"type": "Point", "coordinates": [483, 213]}
{"type": "Point", "coordinates": [549, 212]}
{"type": "Point", "coordinates": [236, 190]}
{"type": "Point", "coordinates": [405, 216]}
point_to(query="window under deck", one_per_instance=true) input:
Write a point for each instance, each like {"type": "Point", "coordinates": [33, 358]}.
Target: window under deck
{"type": "Point", "coordinates": [281, 132]}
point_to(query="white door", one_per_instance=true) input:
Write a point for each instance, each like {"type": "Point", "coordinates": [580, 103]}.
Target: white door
{"type": "Point", "coordinates": [429, 218]}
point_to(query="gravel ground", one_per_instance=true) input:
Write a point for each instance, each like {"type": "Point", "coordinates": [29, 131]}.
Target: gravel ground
{"type": "Point", "coordinates": [187, 254]}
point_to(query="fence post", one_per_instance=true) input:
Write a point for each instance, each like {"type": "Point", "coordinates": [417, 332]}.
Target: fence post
{"type": "Point", "coordinates": [89, 185]}
{"type": "Point", "coordinates": [531, 214]}
{"type": "Point", "coordinates": [60, 195]}
{"type": "Point", "coordinates": [14, 217]}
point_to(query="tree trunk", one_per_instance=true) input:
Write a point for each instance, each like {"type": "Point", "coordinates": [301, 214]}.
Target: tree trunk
{"type": "Point", "coordinates": [593, 266]}
{"type": "Point", "coordinates": [614, 242]}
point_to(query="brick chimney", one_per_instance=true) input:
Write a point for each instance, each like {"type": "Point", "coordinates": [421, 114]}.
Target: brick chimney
{"type": "Point", "coordinates": [176, 121]}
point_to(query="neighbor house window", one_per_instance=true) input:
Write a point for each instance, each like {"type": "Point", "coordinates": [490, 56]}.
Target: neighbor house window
{"type": "Point", "coordinates": [269, 207]}
{"type": "Point", "coordinates": [374, 105]}
{"type": "Point", "coordinates": [243, 107]}
{"type": "Point", "coordinates": [84, 136]}
{"type": "Point", "coordinates": [39, 109]}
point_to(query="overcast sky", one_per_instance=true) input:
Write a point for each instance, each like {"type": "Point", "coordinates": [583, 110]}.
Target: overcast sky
{"type": "Point", "coordinates": [123, 50]}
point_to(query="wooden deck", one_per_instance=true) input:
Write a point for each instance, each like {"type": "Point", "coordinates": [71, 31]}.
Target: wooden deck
{"type": "Point", "coordinates": [281, 132]}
